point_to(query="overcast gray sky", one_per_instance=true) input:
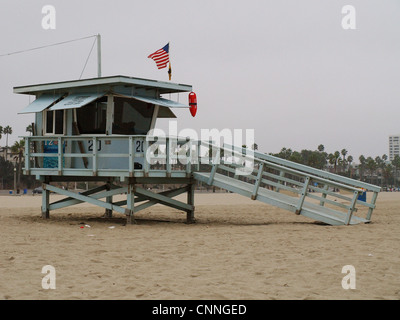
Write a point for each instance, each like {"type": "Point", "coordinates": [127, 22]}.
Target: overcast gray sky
{"type": "Point", "coordinates": [285, 68]}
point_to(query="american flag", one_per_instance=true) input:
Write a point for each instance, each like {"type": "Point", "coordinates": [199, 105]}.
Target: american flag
{"type": "Point", "coordinates": [161, 57]}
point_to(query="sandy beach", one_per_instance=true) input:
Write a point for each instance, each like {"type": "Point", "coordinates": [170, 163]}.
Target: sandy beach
{"type": "Point", "coordinates": [238, 249]}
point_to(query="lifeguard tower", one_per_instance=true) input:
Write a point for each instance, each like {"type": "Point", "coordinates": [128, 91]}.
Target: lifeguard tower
{"type": "Point", "coordinates": [98, 130]}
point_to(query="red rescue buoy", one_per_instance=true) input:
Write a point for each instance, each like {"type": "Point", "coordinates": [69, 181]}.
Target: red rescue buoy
{"type": "Point", "coordinates": [193, 103]}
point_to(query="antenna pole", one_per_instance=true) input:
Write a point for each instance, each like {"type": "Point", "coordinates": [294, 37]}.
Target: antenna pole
{"type": "Point", "coordinates": [99, 55]}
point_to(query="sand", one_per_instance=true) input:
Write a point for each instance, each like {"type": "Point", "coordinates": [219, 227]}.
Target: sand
{"type": "Point", "coordinates": [238, 249]}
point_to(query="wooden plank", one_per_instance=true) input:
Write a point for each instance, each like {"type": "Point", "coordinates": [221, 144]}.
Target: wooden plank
{"type": "Point", "coordinates": [86, 199]}
{"type": "Point", "coordinates": [245, 189]}
{"type": "Point", "coordinates": [74, 201]}
{"type": "Point", "coordinates": [333, 202]}
{"type": "Point", "coordinates": [164, 200]}
{"type": "Point", "coordinates": [168, 193]}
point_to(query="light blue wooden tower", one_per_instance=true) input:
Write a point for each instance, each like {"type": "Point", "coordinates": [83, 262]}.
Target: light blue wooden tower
{"type": "Point", "coordinates": [98, 130]}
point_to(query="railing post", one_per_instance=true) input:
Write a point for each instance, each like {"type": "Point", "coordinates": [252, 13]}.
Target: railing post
{"type": "Point", "coordinates": [130, 164]}
{"type": "Point", "coordinates": [188, 157]}
{"type": "Point", "coordinates": [198, 154]}
{"type": "Point", "coordinates": [60, 152]}
{"type": "Point", "coordinates": [373, 200]}
{"type": "Point", "coordinates": [94, 156]}
{"type": "Point", "coordinates": [322, 203]}
{"type": "Point", "coordinates": [281, 174]}
{"type": "Point", "coordinates": [351, 209]}
{"type": "Point", "coordinates": [168, 156]}
{"type": "Point", "coordinates": [27, 155]}
{"type": "Point", "coordinates": [303, 195]}
{"type": "Point", "coordinates": [258, 181]}
{"type": "Point", "coordinates": [214, 168]}
{"type": "Point", "coordinates": [146, 162]}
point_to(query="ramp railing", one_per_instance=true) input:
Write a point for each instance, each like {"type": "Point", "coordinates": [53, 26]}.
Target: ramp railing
{"type": "Point", "coordinates": [298, 188]}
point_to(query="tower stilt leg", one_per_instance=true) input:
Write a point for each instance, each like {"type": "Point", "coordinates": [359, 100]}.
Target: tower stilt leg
{"type": "Point", "coordinates": [130, 204]}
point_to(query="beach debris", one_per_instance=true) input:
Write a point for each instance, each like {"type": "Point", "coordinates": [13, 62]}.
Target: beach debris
{"type": "Point", "coordinates": [111, 227]}
{"type": "Point", "coordinates": [87, 226]}
{"type": "Point", "coordinates": [370, 255]}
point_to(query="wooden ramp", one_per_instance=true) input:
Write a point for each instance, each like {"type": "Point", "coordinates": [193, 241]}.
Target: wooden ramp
{"type": "Point", "coordinates": [280, 200]}
{"type": "Point", "coordinates": [299, 189]}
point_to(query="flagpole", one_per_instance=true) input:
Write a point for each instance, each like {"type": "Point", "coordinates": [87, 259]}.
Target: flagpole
{"type": "Point", "coordinates": [98, 55]}
{"type": "Point", "coordinates": [169, 69]}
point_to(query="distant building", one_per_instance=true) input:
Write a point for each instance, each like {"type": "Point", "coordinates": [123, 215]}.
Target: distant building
{"type": "Point", "coordinates": [394, 146]}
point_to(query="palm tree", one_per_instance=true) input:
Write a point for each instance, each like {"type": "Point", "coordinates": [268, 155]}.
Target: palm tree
{"type": "Point", "coordinates": [350, 160]}
{"type": "Point", "coordinates": [379, 163]}
{"type": "Point", "coordinates": [371, 166]}
{"type": "Point", "coordinates": [321, 148]}
{"type": "Point", "coordinates": [1, 131]}
{"type": "Point", "coordinates": [284, 153]}
{"type": "Point", "coordinates": [362, 166]}
{"type": "Point", "coordinates": [333, 159]}
{"type": "Point", "coordinates": [7, 130]}
{"type": "Point", "coordinates": [387, 172]}
{"type": "Point", "coordinates": [296, 157]}
{"type": "Point", "coordinates": [18, 149]}
{"type": "Point", "coordinates": [344, 153]}
{"type": "Point", "coordinates": [29, 129]}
